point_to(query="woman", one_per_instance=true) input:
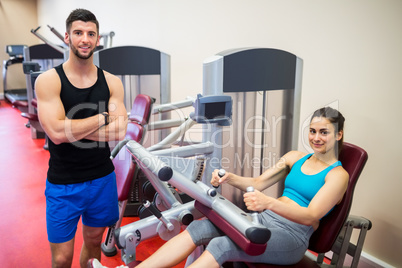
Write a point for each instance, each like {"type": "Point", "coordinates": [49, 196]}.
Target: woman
{"type": "Point", "coordinates": [314, 184]}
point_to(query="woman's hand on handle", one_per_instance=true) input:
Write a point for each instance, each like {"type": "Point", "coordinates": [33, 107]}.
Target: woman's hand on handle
{"type": "Point", "coordinates": [217, 177]}
{"type": "Point", "coordinates": [256, 200]}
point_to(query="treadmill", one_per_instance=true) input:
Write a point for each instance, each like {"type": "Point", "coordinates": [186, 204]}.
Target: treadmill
{"type": "Point", "coordinates": [17, 97]}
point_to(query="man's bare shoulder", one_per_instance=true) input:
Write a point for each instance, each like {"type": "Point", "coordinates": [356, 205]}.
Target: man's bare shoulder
{"type": "Point", "coordinates": [111, 79]}
{"type": "Point", "coordinates": [48, 76]}
{"type": "Point", "coordinates": [48, 80]}
{"type": "Point", "coordinates": [113, 82]}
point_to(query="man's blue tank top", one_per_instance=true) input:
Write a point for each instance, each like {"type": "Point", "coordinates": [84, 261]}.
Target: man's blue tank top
{"type": "Point", "coordinates": [300, 187]}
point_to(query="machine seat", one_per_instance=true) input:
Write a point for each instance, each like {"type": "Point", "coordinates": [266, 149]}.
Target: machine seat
{"type": "Point", "coordinates": [17, 100]}
{"type": "Point", "coordinates": [124, 166]}
{"type": "Point", "coordinates": [33, 117]}
{"type": "Point", "coordinates": [34, 102]}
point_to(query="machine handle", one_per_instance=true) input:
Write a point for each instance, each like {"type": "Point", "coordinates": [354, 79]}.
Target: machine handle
{"type": "Point", "coordinates": [117, 149]}
{"type": "Point", "coordinates": [34, 31]}
{"type": "Point", "coordinates": [254, 214]}
{"type": "Point", "coordinates": [159, 215]}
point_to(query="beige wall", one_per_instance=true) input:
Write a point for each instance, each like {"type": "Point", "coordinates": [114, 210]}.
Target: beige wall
{"type": "Point", "coordinates": [352, 59]}
{"type": "Point", "coordinates": [17, 18]}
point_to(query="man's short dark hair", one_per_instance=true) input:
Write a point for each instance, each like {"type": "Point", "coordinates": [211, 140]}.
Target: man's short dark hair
{"type": "Point", "coordinates": [83, 15]}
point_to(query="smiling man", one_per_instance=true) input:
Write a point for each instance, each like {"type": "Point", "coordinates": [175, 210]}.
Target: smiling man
{"type": "Point", "coordinates": [81, 108]}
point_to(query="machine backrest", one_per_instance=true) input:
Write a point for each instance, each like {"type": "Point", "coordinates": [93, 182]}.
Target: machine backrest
{"type": "Point", "coordinates": [141, 110]}
{"type": "Point", "coordinates": [353, 159]}
{"type": "Point", "coordinates": [42, 52]}
{"type": "Point", "coordinates": [123, 163]}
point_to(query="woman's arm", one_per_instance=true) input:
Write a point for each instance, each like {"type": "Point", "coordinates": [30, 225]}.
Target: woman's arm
{"type": "Point", "coordinates": [271, 176]}
{"type": "Point", "coordinates": [327, 197]}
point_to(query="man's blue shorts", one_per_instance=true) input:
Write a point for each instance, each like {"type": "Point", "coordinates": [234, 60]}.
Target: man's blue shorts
{"type": "Point", "coordinates": [96, 201]}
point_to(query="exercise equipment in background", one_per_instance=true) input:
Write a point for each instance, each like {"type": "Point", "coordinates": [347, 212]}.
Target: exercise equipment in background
{"type": "Point", "coordinates": [17, 97]}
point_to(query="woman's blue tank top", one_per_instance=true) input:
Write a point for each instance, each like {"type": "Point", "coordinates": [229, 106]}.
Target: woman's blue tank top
{"type": "Point", "coordinates": [300, 187]}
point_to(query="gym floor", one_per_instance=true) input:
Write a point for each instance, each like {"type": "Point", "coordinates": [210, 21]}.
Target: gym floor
{"type": "Point", "coordinates": [23, 164]}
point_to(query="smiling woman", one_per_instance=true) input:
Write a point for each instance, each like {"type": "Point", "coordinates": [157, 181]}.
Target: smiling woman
{"type": "Point", "coordinates": [314, 184]}
{"type": "Point", "coordinates": [326, 125]}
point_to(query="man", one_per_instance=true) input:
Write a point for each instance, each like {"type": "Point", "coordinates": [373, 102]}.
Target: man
{"type": "Point", "coordinates": [81, 108]}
